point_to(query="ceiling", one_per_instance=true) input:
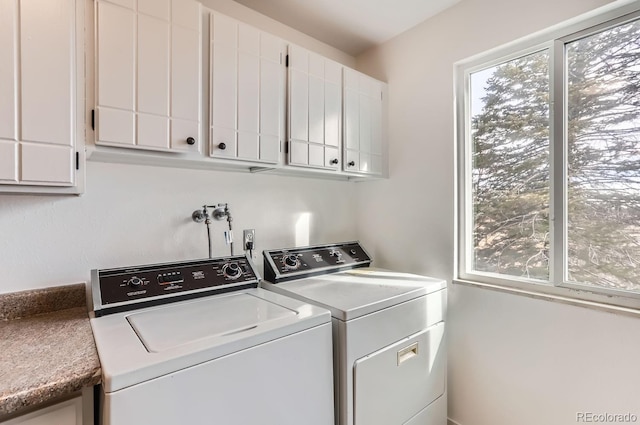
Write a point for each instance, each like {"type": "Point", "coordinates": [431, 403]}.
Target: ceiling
{"type": "Point", "coordinates": [352, 26]}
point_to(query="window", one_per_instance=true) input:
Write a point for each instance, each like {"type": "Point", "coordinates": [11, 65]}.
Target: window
{"type": "Point", "coordinates": [603, 161]}
{"type": "Point", "coordinates": [510, 167]}
{"type": "Point", "coordinates": [549, 143]}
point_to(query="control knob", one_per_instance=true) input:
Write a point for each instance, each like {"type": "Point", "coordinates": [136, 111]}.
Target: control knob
{"type": "Point", "coordinates": [291, 261]}
{"type": "Point", "coordinates": [134, 282]}
{"type": "Point", "coordinates": [231, 270]}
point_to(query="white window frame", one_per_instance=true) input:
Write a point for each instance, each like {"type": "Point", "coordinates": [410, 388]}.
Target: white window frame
{"type": "Point", "coordinates": [553, 40]}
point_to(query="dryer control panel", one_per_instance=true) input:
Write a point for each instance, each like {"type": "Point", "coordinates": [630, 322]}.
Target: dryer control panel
{"type": "Point", "coordinates": [129, 288]}
{"type": "Point", "coordinates": [296, 263]}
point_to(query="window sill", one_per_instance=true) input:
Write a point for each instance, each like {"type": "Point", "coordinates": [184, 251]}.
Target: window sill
{"type": "Point", "coordinates": [561, 295]}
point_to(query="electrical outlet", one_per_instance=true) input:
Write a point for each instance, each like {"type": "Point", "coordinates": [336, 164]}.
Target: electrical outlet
{"type": "Point", "coordinates": [249, 238]}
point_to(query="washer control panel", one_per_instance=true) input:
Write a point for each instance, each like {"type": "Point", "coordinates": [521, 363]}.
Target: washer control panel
{"type": "Point", "coordinates": [296, 263]}
{"type": "Point", "coordinates": [135, 286]}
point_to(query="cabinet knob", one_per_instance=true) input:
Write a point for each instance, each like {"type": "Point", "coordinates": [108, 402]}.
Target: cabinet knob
{"type": "Point", "coordinates": [351, 164]}
{"type": "Point", "coordinates": [334, 161]}
{"type": "Point", "coordinates": [222, 146]}
{"type": "Point", "coordinates": [191, 141]}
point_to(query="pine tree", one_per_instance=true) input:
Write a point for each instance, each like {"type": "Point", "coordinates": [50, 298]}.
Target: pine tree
{"type": "Point", "coordinates": [510, 138]}
{"type": "Point", "coordinates": [511, 170]}
{"type": "Point", "coordinates": [603, 158]}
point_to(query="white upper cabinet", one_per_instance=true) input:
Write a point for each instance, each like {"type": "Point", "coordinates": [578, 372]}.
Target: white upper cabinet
{"type": "Point", "coordinates": [41, 86]}
{"type": "Point", "coordinates": [262, 92]}
{"type": "Point", "coordinates": [247, 92]}
{"type": "Point", "coordinates": [314, 110]}
{"type": "Point", "coordinates": [363, 124]}
{"type": "Point", "coordinates": [148, 70]}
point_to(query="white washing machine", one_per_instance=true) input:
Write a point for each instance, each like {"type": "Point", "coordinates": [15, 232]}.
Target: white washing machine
{"type": "Point", "coordinates": [198, 343]}
{"type": "Point", "coordinates": [388, 332]}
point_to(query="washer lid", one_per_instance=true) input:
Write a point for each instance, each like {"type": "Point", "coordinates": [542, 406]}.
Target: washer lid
{"type": "Point", "coordinates": [357, 292]}
{"type": "Point", "coordinates": [155, 341]}
{"type": "Point", "coordinates": [168, 327]}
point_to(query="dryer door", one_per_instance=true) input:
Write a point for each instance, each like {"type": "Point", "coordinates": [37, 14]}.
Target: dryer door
{"type": "Point", "coordinates": [393, 384]}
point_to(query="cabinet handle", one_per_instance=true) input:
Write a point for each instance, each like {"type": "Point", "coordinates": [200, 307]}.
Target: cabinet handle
{"type": "Point", "coordinates": [191, 141]}
{"type": "Point", "coordinates": [222, 146]}
{"type": "Point", "coordinates": [351, 164]}
{"type": "Point", "coordinates": [334, 161]}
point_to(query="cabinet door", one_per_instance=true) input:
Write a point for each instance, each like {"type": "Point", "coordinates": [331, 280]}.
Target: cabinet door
{"type": "Point", "coordinates": [224, 83]}
{"type": "Point", "coordinates": [47, 62]}
{"type": "Point", "coordinates": [37, 92]}
{"type": "Point", "coordinates": [351, 160]}
{"type": "Point", "coordinates": [272, 95]}
{"type": "Point", "coordinates": [8, 92]}
{"type": "Point", "coordinates": [8, 161]}
{"type": "Point", "coordinates": [332, 106]}
{"type": "Point", "coordinates": [298, 105]}
{"type": "Point", "coordinates": [377, 129]}
{"type": "Point", "coordinates": [185, 75]}
{"type": "Point", "coordinates": [46, 164]}
{"type": "Point", "coordinates": [315, 109]}
{"type": "Point", "coordinates": [247, 92]}
{"type": "Point", "coordinates": [159, 9]}
{"type": "Point", "coordinates": [351, 110]}
{"type": "Point", "coordinates": [363, 124]}
{"type": "Point", "coordinates": [148, 74]}
{"type": "Point", "coordinates": [299, 153]}
{"type": "Point", "coordinates": [153, 81]}
{"type": "Point", "coordinates": [331, 157]}
{"type": "Point", "coordinates": [315, 80]}
{"type": "Point", "coordinates": [66, 413]}
{"type": "Point", "coordinates": [332, 114]}
{"type": "Point", "coordinates": [115, 73]}
{"type": "Point", "coordinates": [46, 68]}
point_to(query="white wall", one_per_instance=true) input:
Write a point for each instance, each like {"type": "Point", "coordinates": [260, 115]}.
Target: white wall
{"type": "Point", "coordinates": [515, 360]}
{"type": "Point", "coordinates": [512, 360]}
{"type": "Point", "coordinates": [140, 214]}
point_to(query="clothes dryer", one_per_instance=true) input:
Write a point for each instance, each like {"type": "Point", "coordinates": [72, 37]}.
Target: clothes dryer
{"type": "Point", "coordinates": [388, 331]}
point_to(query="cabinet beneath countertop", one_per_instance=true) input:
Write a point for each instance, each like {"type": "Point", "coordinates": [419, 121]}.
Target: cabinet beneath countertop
{"type": "Point", "coordinates": [65, 413]}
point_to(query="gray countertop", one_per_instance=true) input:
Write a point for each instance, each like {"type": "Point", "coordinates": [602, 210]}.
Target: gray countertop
{"type": "Point", "coordinates": [47, 349]}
